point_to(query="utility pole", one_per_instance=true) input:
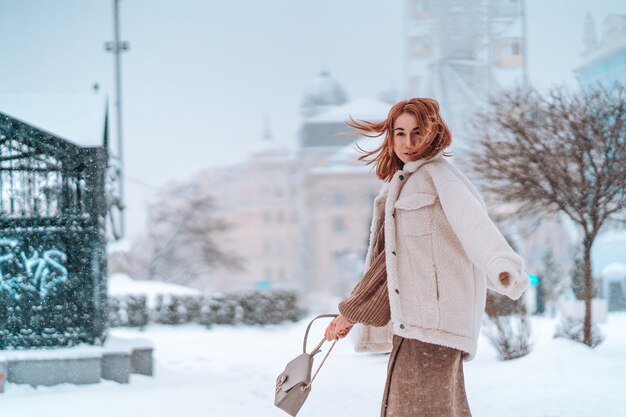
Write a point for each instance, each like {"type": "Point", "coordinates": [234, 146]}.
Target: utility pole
{"type": "Point", "coordinates": [117, 47]}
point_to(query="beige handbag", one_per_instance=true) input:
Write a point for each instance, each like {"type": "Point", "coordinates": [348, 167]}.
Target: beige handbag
{"type": "Point", "coordinates": [294, 383]}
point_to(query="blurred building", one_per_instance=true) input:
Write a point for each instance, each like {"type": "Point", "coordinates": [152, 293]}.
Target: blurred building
{"type": "Point", "coordinates": [461, 52]}
{"type": "Point", "coordinates": [604, 57]}
{"type": "Point", "coordinates": [613, 286]}
{"type": "Point", "coordinates": [301, 219]}
{"type": "Point", "coordinates": [337, 189]}
{"type": "Point", "coordinates": [338, 199]}
{"type": "Point", "coordinates": [259, 198]}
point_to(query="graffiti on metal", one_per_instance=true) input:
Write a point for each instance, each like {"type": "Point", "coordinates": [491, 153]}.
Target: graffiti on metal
{"type": "Point", "coordinates": [33, 271]}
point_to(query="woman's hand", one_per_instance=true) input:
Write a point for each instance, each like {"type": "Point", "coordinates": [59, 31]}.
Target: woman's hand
{"type": "Point", "coordinates": [505, 278]}
{"type": "Point", "coordinates": [338, 328]}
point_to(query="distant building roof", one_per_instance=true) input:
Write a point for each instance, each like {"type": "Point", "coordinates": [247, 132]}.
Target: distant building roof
{"type": "Point", "coordinates": [325, 91]}
{"type": "Point", "coordinates": [271, 150]}
{"type": "Point", "coordinates": [349, 155]}
{"type": "Point", "coordinates": [329, 129]}
{"type": "Point", "coordinates": [268, 150]}
{"type": "Point", "coordinates": [346, 159]}
{"type": "Point", "coordinates": [364, 108]}
{"type": "Point", "coordinates": [78, 118]}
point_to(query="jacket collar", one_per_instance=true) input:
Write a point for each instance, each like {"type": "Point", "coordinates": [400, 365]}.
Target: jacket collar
{"type": "Point", "coordinates": [414, 165]}
{"type": "Point", "coordinates": [410, 167]}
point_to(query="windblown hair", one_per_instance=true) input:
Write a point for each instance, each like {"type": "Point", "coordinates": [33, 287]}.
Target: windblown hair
{"type": "Point", "coordinates": [434, 135]}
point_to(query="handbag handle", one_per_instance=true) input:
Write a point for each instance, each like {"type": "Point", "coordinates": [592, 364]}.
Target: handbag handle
{"type": "Point", "coordinates": [317, 348]}
{"type": "Point", "coordinates": [306, 334]}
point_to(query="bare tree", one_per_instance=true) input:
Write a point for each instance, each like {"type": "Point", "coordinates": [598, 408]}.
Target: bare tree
{"type": "Point", "coordinates": [559, 151]}
{"type": "Point", "coordinates": [182, 239]}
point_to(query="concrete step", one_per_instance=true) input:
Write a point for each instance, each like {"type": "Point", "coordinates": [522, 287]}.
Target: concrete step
{"type": "Point", "coordinates": [83, 364]}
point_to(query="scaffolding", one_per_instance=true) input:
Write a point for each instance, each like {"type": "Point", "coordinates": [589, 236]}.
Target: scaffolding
{"type": "Point", "coordinates": [461, 52]}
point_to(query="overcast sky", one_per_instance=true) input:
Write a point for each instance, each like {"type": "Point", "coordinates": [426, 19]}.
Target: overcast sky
{"type": "Point", "coordinates": [202, 76]}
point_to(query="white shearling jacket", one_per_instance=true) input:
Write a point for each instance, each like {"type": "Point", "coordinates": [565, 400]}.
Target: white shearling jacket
{"type": "Point", "coordinates": [442, 253]}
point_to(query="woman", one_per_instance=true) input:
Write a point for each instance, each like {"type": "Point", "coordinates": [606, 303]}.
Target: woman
{"type": "Point", "coordinates": [433, 252]}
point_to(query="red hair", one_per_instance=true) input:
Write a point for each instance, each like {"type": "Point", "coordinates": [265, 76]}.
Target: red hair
{"type": "Point", "coordinates": [434, 133]}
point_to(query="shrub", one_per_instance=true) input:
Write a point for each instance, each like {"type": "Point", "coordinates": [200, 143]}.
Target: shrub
{"type": "Point", "coordinates": [507, 326]}
{"type": "Point", "coordinates": [251, 308]}
{"type": "Point", "coordinates": [574, 330]}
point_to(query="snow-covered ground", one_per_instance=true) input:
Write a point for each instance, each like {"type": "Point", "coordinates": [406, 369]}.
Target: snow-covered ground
{"type": "Point", "coordinates": [231, 371]}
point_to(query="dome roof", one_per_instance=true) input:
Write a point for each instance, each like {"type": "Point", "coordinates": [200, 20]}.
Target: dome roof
{"type": "Point", "coordinates": [363, 108]}
{"type": "Point", "coordinates": [323, 92]}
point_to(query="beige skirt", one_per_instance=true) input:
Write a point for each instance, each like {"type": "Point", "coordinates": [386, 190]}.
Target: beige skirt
{"type": "Point", "coordinates": [424, 380]}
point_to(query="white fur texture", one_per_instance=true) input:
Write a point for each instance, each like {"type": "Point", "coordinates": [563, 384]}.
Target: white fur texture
{"type": "Point", "coordinates": [442, 253]}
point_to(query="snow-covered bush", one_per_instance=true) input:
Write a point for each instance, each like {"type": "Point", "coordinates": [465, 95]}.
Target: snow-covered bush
{"type": "Point", "coordinates": [224, 310]}
{"type": "Point", "coordinates": [169, 309]}
{"type": "Point", "coordinates": [129, 310]}
{"type": "Point", "coordinates": [137, 311]}
{"type": "Point", "coordinates": [574, 330]}
{"type": "Point", "coordinates": [507, 326]}
{"type": "Point", "coordinates": [192, 304]}
{"type": "Point", "coordinates": [510, 335]}
{"type": "Point", "coordinates": [268, 308]}
{"type": "Point", "coordinates": [116, 313]}
{"type": "Point", "coordinates": [251, 308]}
{"type": "Point", "coordinates": [258, 308]}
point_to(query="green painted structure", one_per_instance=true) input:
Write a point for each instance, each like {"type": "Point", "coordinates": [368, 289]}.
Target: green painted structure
{"type": "Point", "coordinates": [52, 238]}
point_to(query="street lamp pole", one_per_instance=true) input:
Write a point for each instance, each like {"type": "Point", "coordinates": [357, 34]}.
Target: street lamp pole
{"type": "Point", "coordinates": [117, 47]}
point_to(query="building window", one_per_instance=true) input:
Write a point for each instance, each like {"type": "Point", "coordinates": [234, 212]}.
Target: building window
{"type": "Point", "coordinates": [281, 273]}
{"type": "Point", "coordinates": [267, 273]}
{"type": "Point", "coordinates": [267, 218]}
{"type": "Point", "coordinates": [264, 192]}
{"type": "Point", "coordinates": [280, 247]}
{"type": "Point", "coordinates": [294, 216]}
{"type": "Point", "coordinates": [280, 216]}
{"type": "Point", "coordinates": [515, 48]}
{"type": "Point", "coordinates": [338, 199]}
{"type": "Point", "coordinates": [339, 225]}
{"type": "Point", "coordinates": [279, 192]}
{"type": "Point", "coordinates": [267, 247]}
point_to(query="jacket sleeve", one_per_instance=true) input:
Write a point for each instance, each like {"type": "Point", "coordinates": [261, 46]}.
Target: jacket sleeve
{"type": "Point", "coordinates": [482, 241]}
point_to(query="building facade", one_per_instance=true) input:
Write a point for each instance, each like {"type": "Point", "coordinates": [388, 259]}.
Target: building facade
{"type": "Point", "coordinates": [338, 199]}
{"type": "Point", "coordinates": [300, 219]}
{"type": "Point", "coordinates": [604, 58]}
{"type": "Point", "coordinates": [259, 200]}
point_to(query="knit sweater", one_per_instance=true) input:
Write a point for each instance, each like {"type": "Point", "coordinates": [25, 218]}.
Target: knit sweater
{"type": "Point", "coordinates": [368, 302]}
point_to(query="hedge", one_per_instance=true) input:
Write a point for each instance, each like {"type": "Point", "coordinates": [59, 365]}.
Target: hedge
{"type": "Point", "coordinates": [250, 308]}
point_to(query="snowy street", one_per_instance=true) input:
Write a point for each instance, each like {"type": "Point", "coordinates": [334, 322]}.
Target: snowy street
{"type": "Point", "coordinates": [230, 371]}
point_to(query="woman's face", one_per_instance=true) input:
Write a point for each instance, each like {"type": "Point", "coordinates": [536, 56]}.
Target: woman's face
{"type": "Point", "coordinates": [405, 136]}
